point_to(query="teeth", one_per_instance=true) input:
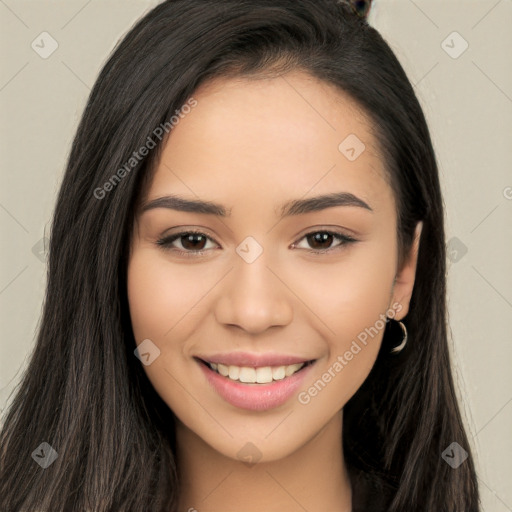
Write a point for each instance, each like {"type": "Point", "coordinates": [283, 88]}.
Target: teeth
{"type": "Point", "coordinates": [291, 369]}
{"type": "Point", "coordinates": [279, 372]}
{"type": "Point", "coordinates": [247, 374]}
{"type": "Point", "coordinates": [223, 369]}
{"type": "Point", "coordinates": [234, 372]}
{"type": "Point", "coordinates": [264, 375]}
{"type": "Point", "coordinates": [250, 375]}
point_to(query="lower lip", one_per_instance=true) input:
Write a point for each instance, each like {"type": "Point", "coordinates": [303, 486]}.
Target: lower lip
{"type": "Point", "coordinates": [255, 397]}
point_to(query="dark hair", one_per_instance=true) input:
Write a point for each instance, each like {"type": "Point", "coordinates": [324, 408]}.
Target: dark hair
{"type": "Point", "coordinates": [86, 394]}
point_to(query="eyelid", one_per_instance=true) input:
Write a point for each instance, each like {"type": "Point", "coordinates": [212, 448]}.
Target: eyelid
{"type": "Point", "coordinates": [325, 228]}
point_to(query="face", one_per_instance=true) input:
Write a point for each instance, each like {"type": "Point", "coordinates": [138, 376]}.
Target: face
{"type": "Point", "coordinates": [293, 295]}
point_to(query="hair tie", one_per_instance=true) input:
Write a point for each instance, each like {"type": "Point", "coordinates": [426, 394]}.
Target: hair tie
{"type": "Point", "coordinates": [360, 7]}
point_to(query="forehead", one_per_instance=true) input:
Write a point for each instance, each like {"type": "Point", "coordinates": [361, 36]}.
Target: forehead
{"type": "Point", "coordinates": [280, 136]}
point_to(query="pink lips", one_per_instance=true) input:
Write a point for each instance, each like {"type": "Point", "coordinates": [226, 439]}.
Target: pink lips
{"type": "Point", "coordinates": [254, 397]}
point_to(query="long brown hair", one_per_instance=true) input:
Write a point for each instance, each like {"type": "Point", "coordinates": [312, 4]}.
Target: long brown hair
{"type": "Point", "coordinates": [85, 393]}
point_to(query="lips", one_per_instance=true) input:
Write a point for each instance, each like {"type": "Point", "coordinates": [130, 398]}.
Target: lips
{"type": "Point", "coordinates": [251, 386]}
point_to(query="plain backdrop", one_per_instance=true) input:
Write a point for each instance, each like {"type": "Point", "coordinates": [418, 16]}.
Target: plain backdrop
{"type": "Point", "coordinates": [457, 55]}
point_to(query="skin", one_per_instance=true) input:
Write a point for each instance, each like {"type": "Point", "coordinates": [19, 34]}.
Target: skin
{"type": "Point", "coordinates": [251, 145]}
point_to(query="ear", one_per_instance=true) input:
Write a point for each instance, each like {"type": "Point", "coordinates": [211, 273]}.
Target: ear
{"type": "Point", "coordinates": [404, 280]}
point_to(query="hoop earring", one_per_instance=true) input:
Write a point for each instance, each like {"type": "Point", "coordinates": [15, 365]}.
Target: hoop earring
{"type": "Point", "coordinates": [400, 347]}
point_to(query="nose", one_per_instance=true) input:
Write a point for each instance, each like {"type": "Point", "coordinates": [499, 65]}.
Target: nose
{"type": "Point", "coordinates": [254, 297]}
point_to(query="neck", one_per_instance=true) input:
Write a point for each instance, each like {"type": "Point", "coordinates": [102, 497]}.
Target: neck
{"type": "Point", "coordinates": [314, 477]}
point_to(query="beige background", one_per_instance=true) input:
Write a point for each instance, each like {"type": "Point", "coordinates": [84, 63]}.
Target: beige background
{"type": "Point", "coordinates": [468, 104]}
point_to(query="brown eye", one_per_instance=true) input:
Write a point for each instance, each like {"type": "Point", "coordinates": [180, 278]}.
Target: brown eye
{"type": "Point", "coordinates": [190, 243]}
{"type": "Point", "coordinates": [322, 241]}
{"type": "Point", "coordinates": [193, 241]}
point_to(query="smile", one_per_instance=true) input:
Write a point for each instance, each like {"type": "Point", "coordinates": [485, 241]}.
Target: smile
{"type": "Point", "coordinates": [255, 388]}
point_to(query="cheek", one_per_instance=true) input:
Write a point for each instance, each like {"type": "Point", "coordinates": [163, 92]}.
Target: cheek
{"type": "Point", "coordinates": [167, 303]}
{"type": "Point", "coordinates": [162, 297]}
{"type": "Point", "coordinates": [350, 295]}
{"type": "Point", "coordinates": [161, 301]}
{"type": "Point", "coordinates": [351, 300]}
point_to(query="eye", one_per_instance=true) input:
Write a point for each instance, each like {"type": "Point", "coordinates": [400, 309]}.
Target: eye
{"type": "Point", "coordinates": [321, 241]}
{"type": "Point", "coordinates": [192, 243]}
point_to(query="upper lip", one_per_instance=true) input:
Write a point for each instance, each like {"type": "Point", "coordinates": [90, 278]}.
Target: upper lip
{"type": "Point", "coordinates": [253, 360]}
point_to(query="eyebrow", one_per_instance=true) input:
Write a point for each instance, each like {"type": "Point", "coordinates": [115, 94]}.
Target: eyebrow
{"type": "Point", "coordinates": [293, 207]}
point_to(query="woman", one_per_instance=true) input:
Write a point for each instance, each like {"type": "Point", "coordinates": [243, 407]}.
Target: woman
{"type": "Point", "coordinates": [246, 294]}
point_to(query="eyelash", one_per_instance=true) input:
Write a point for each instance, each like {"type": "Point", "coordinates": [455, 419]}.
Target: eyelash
{"type": "Point", "coordinates": [165, 242]}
